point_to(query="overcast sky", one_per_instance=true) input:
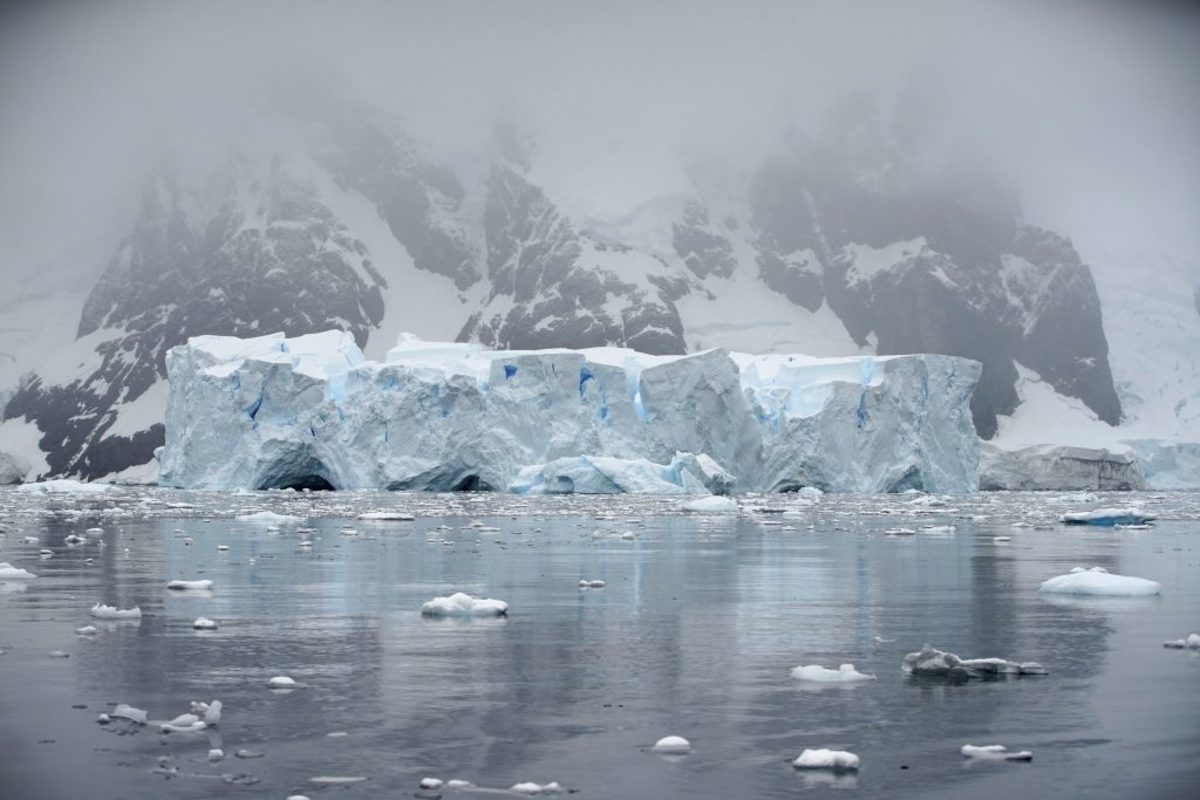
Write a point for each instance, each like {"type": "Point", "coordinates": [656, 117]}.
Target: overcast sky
{"type": "Point", "coordinates": [1091, 108]}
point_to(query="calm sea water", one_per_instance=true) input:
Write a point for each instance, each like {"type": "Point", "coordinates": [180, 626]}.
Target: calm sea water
{"type": "Point", "coordinates": [695, 634]}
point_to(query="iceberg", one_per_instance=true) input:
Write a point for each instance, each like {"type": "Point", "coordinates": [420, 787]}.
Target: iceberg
{"type": "Point", "coordinates": [1099, 582]}
{"type": "Point", "coordinates": [1058, 468]}
{"type": "Point", "coordinates": [463, 605]}
{"type": "Point", "coordinates": [929, 662]}
{"type": "Point", "coordinates": [995, 752]}
{"type": "Point", "coordinates": [846, 673]}
{"type": "Point", "coordinates": [827, 759]}
{"type": "Point", "coordinates": [310, 412]}
{"type": "Point", "coordinates": [10, 573]}
{"type": "Point", "coordinates": [1107, 517]}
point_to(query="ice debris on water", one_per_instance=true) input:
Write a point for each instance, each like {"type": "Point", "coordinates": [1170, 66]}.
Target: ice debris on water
{"type": "Point", "coordinates": [387, 516]}
{"type": "Point", "coordinates": [101, 611]}
{"type": "Point", "coordinates": [269, 518]}
{"type": "Point", "coordinates": [846, 673]}
{"type": "Point", "coordinates": [995, 752]}
{"type": "Point", "coordinates": [210, 712]}
{"type": "Point", "coordinates": [1100, 582]}
{"type": "Point", "coordinates": [216, 754]}
{"type": "Point", "coordinates": [1107, 517]}
{"type": "Point", "coordinates": [934, 663]}
{"type": "Point", "coordinates": [183, 586]}
{"type": "Point", "coordinates": [87, 630]}
{"type": "Point", "coordinates": [130, 713]}
{"type": "Point", "coordinates": [712, 505]}
{"type": "Point", "coordinates": [463, 605]}
{"type": "Point", "coordinates": [531, 788]}
{"type": "Point", "coordinates": [10, 573]}
{"type": "Point", "coordinates": [1192, 642]}
{"type": "Point", "coordinates": [431, 783]}
{"type": "Point", "coordinates": [673, 745]}
{"type": "Point", "coordinates": [64, 486]}
{"type": "Point", "coordinates": [837, 760]}
{"type": "Point", "coordinates": [204, 624]}
{"type": "Point", "coordinates": [592, 584]}
{"type": "Point", "coordinates": [281, 682]}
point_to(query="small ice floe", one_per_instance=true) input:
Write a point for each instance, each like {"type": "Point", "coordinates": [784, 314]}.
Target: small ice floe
{"type": "Point", "coordinates": [123, 711]}
{"type": "Point", "coordinates": [1192, 642]}
{"type": "Point", "coordinates": [463, 605]}
{"type": "Point", "coordinates": [837, 760]}
{"type": "Point", "coordinates": [596, 584]}
{"type": "Point", "coordinates": [282, 682]}
{"type": "Point", "coordinates": [934, 663]}
{"type": "Point", "coordinates": [10, 573]}
{"type": "Point", "coordinates": [901, 532]}
{"type": "Point", "coordinates": [221, 548]}
{"type": "Point", "coordinates": [456, 783]}
{"type": "Point", "coordinates": [30, 540]}
{"type": "Point", "coordinates": [387, 516]}
{"type": "Point", "coordinates": [209, 712]}
{"type": "Point", "coordinates": [64, 486]}
{"type": "Point", "coordinates": [101, 611]}
{"type": "Point", "coordinates": [1101, 582]}
{"type": "Point", "coordinates": [87, 630]}
{"type": "Point", "coordinates": [943, 529]}
{"type": "Point", "coordinates": [189, 586]}
{"type": "Point", "coordinates": [204, 624]}
{"type": "Point", "coordinates": [1001, 539]}
{"type": "Point", "coordinates": [184, 723]}
{"type": "Point", "coordinates": [73, 538]}
{"type": "Point", "coordinates": [716, 504]}
{"type": "Point", "coordinates": [531, 788]}
{"type": "Point", "coordinates": [103, 719]}
{"type": "Point", "coordinates": [432, 783]}
{"type": "Point", "coordinates": [673, 745]}
{"type": "Point", "coordinates": [216, 754]}
{"type": "Point", "coordinates": [995, 752]}
{"type": "Point", "coordinates": [1107, 517]}
{"type": "Point", "coordinates": [846, 673]}
{"type": "Point", "coordinates": [59, 654]}
{"type": "Point", "coordinates": [94, 531]}
{"type": "Point", "coordinates": [269, 518]}
{"type": "Point", "coordinates": [244, 753]}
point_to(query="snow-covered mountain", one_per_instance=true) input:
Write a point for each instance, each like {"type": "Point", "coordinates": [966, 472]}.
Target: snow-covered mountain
{"type": "Point", "coordinates": [349, 223]}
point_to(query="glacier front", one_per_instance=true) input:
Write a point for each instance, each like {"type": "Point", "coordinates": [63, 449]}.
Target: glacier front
{"type": "Point", "coordinates": [312, 412]}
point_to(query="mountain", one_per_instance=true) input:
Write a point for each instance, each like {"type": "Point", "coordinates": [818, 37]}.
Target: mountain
{"type": "Point", "coordinates": [347, 222]}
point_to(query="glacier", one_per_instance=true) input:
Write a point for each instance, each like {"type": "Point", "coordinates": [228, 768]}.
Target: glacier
{"type": "Point", "coordinates": [312, 412]}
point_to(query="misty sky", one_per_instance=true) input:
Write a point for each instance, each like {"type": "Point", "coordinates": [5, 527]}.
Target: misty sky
{"type": "Point", "coordinates": [1092, 108]}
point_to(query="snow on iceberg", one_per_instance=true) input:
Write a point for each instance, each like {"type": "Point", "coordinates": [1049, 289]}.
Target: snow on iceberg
{"type": "Point", "coordinates": [826, 759]}
{"type": "Point", "coordinates": [686, 474]}
{"type": "Point", "coordinates": [1101, 582]}
{"type": "Point", "coordinates": [846, 673]}
{"type": "Point", "coordinates": [463, 605]}
{"type": "Point", "coordinates": [1107, 517]}
{"type": "Point", "coordinates": [311, 412]}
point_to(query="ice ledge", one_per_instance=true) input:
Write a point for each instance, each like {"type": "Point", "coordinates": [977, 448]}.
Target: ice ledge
{"type": "Point", "coordinates": [311, 411]}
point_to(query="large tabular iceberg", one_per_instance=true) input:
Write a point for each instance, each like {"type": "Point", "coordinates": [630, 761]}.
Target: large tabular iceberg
{"type": "Point", "coordinates": [311, 412]}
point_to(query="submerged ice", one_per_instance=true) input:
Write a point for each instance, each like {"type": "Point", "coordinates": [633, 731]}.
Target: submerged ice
{"type": "Point", "coordinates": [311, 412]}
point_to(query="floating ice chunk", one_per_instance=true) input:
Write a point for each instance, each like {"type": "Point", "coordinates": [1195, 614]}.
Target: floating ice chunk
{"type": "Point", "coordinates": [836, 760]}
{"type": "Point", "coordinates": [281, 682]}
{"type": "Point", "coordinates": [995, 752]}
{"type": "Point", "coordinates": [432, 783]}
{"type": "Point", "coordinates": [594, 584]}
{"type": "Point", "coordinates": [59, 654]}
{"type": "Point", "coordinates": [686, 474]}
{"type": "Point", "coordinates": [1099, 581]}
{"type": "Point", "coordinates": [73, 538]}
{"type": "Point", "coordinates": [87, 630]}
{"type": "Point", "coordinates": [531, 788]}
{"type": "Point", "coordinates": [673, 745]}
{"type": "Point", "coordinates": [269, 518]}
{"type": "Point", "coordinates": [216, 754]}
{"type": "Point", "coordinates": [846, 673]}
{"type": "Point", "coordinates": [211, 712]}
{"type": "Point", "coordinates": [101, 611]}
{"type": "Point", "coordinates": [298, 797]}
{"type": "Point", "coordinates": [461, 784]}
{"type": "Point", "coordinates": [130, 713]}
{"type": "Point", "coordinates": [184, 586]}
{"type": "Point", "coordinates": [221, 548]}
{"type": "Point", "coordinates": [931, 662]}
{"type": "Point", "coordinates": [204, 624]}
{"type": "Point", "coordinates": [337, 780]}
{"type": "Point", "coordinates": [463, 605]}
{"type": "Point", "coordinates": [1192, 642]}
{"type": "Point", "coordinates": [10, 573]}
{"type": "Point", "coordinates": [938, 529]}
{"type": "Point", "coordinates": [387, 516]}
{"type": "Point", "coordinates": [1107, 517]}
{"type": "Point", "coordinates": [64, 486]}
{"type": "Point", "coordinates": [712, 505]}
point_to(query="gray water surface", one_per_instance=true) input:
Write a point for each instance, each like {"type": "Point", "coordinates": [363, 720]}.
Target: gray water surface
{"type": "Point", "coordinates": [695, 634]}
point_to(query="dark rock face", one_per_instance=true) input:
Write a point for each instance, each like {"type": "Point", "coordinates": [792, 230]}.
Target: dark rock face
{"type": "Point", "coordinates": [552, 286]}
{"type": "Point", "coordinates": [929, 272]}
{"type": "Point", "coordinates": [703, 251]}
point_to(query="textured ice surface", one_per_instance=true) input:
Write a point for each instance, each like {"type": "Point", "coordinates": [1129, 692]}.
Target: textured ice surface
{"type": "Point", "coordinates": [933, 663]}
{"type": "Point", "coordinates": [1099, 581]}
{"type": "Point", "coordinates": [101, 611]}
{"type": "Point", "coordinates": [686, 474]}
{"type": "Point", "coordinates": [463, 605]}
{"type": "Point", "coordinates": [311, 412]}
{"type": "Point", "coordinates": [1107, 517]}
{"type": "Point", "coordinates": [826, 759]}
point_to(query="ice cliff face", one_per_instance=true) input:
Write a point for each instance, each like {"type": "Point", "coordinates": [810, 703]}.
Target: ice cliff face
{"type": "Point", "coordinates": [312, 412]}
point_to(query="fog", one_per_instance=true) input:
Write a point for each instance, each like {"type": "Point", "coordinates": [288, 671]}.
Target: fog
{"type": "Point", "coordinates": [1091, 109]}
